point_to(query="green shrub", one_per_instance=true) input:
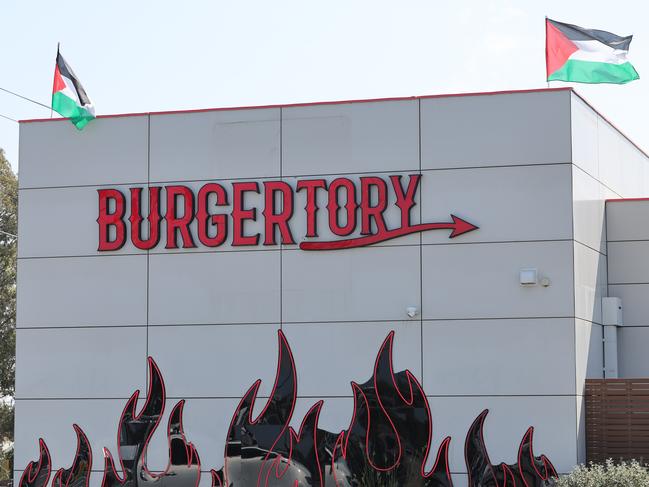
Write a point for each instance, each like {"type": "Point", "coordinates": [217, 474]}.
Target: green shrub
{"type": "Point", "coordinates": [624, 474]}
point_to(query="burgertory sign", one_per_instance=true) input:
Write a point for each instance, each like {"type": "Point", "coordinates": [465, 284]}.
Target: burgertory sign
{"type": "Point", "coordinates": [351, 206]}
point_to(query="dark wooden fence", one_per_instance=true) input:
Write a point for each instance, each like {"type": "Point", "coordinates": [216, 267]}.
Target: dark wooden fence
{"type": "Point", "coordinates": [617, 419]}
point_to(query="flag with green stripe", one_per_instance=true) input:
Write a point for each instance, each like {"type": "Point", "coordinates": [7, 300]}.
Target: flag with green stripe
{"type": "Point", "coordinates": [69, 99]}
{"type": "Point", "coordinates": [580, 55]}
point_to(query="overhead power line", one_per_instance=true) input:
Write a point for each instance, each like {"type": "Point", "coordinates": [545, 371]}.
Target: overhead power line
{"type": "Point", "coordinates": [26, 98]}
{"type": "Point", "coordinates": [9, 234]}
{"type": "Point", "coordinates": [8, 118]}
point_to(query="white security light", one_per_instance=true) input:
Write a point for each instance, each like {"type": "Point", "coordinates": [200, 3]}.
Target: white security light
{"type": "Point", "coordinates": [529, 277]}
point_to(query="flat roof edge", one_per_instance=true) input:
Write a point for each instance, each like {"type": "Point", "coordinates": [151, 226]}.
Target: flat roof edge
{"type": "Point", "coordinates": [306, 104]}
{"type": "Point", "coordinates": [621, 200]}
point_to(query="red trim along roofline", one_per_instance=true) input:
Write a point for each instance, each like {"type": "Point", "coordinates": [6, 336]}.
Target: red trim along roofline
{"type": "Point", "coordinates": [307, 104]}
{"type": "Point", "coordinates": [618, 200]}
{"type": "Point", "coordinates": [365, 100]}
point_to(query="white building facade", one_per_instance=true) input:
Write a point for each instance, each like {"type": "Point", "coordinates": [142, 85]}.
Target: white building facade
{"type": "Point", "coordinates": [506, 315]}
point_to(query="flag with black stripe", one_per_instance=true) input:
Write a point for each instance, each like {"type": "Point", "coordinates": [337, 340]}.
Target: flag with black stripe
{"type": "Point", "coordinates": [69, 98]}
{"type": "Point", "coordinates": [576, 54]}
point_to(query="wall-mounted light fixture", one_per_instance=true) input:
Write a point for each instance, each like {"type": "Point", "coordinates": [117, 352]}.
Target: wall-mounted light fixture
{"type": "Point", "coordinates": [528, 277]}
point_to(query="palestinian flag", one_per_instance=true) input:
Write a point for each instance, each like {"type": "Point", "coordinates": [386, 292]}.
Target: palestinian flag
{"type": "Point", "coordinates": [573, 53]}
{"type": "Point", "coordinates": [69, 99]}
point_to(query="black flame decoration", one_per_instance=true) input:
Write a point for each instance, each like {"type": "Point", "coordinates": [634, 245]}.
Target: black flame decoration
{"type": "Point", "coordinates": [528, 471]}
{"type": "Point", "coordinates": [387, 443]}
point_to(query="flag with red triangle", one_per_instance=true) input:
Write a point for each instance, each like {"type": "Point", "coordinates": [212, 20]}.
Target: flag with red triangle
{"type": "Point", "coordinates": [69, 99]}
{"type": "Point", "coordinates": [573, 53]}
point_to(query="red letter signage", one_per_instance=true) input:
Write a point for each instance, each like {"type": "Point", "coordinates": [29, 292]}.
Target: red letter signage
{"type": "Point", "coordinates": [108, 220]}
{"type": "Point", "coordinates": [357, 210]}
{"type": "Point", "coordinates": [153, 218]}
{"type": "Point", "coordinates": [181, 223]}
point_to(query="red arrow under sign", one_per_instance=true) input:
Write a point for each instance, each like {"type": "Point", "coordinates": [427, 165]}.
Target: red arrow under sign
{"type": "Point", "coordinates": [458, 226]}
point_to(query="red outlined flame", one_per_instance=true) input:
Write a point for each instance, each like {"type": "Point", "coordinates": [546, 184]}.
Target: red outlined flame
{"type": "Point", "coordinates": [248, 437]}
{"type": "Point", "coordinates": [273, 454]}
{"type": "Point", "coordinates": [388, 441]}
{"type": "Point", "coordinates": [217, 478]}
{"type": "Point", "coordinates": [183, 457]}
{"type": "Point", "coordinates": [79, 473]}
{"type": "Point", "coordinates": [37, 474]}
{"type": "Point", "coordinates": [303, 449]}
{"type": "Point", "coordinates": [531, 468]}
{"type": "Point", "coordinates": [530, 471]}
{"type": "Point", "coordinates": [134, 435]}
{"type": "Point", "coordinates": [388, 413]}
{"type": "Point", "coordinates": [457, 225]}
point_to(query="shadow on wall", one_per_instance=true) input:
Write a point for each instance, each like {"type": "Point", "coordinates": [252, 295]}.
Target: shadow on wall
{"type": "Point", "coordinates": [387, 442]}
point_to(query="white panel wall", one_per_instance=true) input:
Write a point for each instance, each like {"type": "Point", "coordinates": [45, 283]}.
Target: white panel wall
{"type": "Point", "coordinates": [605, 165]}
{"type": "Point", "coordinates": [482, 280]}
{"type": "Point", "coordinates": [93, 362]}
{"type": "Point", "coordinates": [210, 318]}
{"type": "Point", "coordinates": [628, 244]}
{"type": "Point", "coordinates": [366, 284]}
{"type": "Point", "coordinates": [109, 290]}
{"type": "Point", "coordinates": [108, 151]}
{"type": "Point", "coordinates": [350, 138]}
{"type": "Point", "coordinates": [214, 287]}
{"type": "Point", "coordinates": [215, 145]}
{"type": "Point", "coordinates": [481, 371]}
{"type": "Point", "coordinates": [495, 130]}
{"type": "Point", "coordinates": [590, 283]}
{"type": "Point", "coordinates": [82, 336]}
{"type": "Point", "coordinates": [530, 204]}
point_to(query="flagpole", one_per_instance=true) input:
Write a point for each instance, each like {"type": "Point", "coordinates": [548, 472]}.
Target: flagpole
{"type": "Point", "coordinates": [545, 29]}
{"type": "Point", "coordinates": [58, 46]}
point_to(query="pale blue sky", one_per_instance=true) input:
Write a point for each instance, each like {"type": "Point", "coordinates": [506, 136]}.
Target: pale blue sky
{"type": "Point", "coordinates": [137, 56]}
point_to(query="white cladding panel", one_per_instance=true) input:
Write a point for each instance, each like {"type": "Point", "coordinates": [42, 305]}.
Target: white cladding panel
{"type": "Point", "coordinates": [365, 284]}
{"type": "Point", "coordinates": [350, 138]}
{"type": "Point", "coordinates": [110, 290]}
{"type": "Point", "coordinates": [589, 352]}
{"type": "Point", "coordinates": [628, 242]}
{"type": "Point", "coordinates": [590, 283]}
{"type": "Point", "coordinates": [628, 263]}
{"type": "Point", "coordinates": [625, 220]}
{"type": "Point", "coordinates": [459, 357]}
{"type": "Point", "coordinates": [108, 151]}
{"type": "Point", "coordinates": [210, 316]}
{"type": "Point", "coordinates": [622, 167]}
{"type": "Point", "coordinates": [215, 145]}
{"type": "Point", "coordinates": [635, 302]}
{"type": "Point", "coordinates": [584, 126]}
{"type": "Point", "coordinates": [495, 130]}
{"type": "Point", "coordinates": [214, 287]}
{"type": "Point", "coordinates": [525, 203]}
{"type": "Point", "coordinates": [482, 280]}
{"type": "Point", "coordinates": [633, 343]}
{"type": "Point", "coordinates": [96, 362]}
{"type": "Point", "coordinates": [589, 196]}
